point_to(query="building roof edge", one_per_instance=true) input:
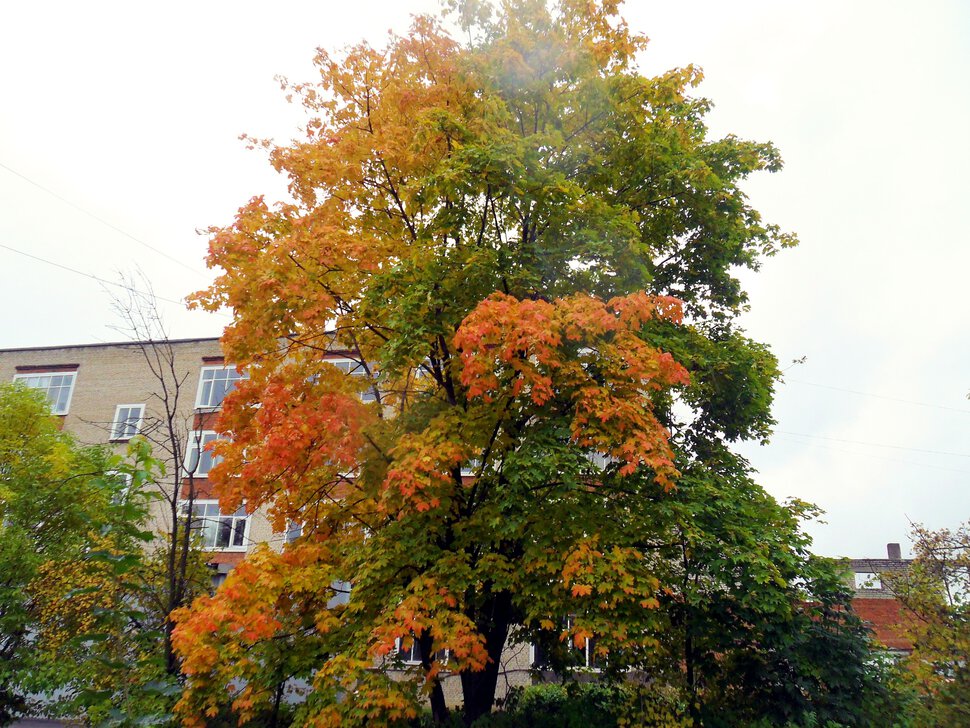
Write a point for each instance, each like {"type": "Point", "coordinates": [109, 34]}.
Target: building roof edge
{"type": "Point", "coordinates": [107, 344]}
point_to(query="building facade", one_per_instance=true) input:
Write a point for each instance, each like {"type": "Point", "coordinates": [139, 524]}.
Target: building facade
{"type": "Point", "coordinates": [875, 602]}
{"type": "Point", "coordinates": [170, 392]}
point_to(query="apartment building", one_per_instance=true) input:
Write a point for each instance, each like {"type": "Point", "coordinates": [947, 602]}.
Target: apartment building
{"type": "Point", "coordinates": [108, 393]}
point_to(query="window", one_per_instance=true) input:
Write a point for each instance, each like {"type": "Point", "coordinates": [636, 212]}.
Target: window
{"type": "Point", "coordinates": [587, 656]}
{"type": "Point", "coordinates": [341, 593]}
{"type": "Point", "coordinates": [293, 531]}
{"type": "Point", "coordinates": [121, 482]}
{"type": "Point", "coordinates": [127, 421]}
{"type": "Point", "coordinates": [216, 529]}
{"type": "Point", "coordinates": [576, 658]}
{"type": "Point", "coordinates": [215, 383]}
{"type": "Point", "coordinates": [198, 460]}
{"type": "Point", "coordinates": [410, 654]}
{"type": "Point", "coordinates": [58, 386]}
{"type": "Point", "coordinates": [599, 460]}
{"type": "Point", "coordinates": [355, 369]}
{"type": "Point", "coordinates": [867, 580]}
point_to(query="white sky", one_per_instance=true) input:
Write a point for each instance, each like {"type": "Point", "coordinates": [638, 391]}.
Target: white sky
{"type": "Point", "coordinates": [132, 111]}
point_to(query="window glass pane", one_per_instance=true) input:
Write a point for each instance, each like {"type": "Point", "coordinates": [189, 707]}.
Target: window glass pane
{"type": "Point", "coordinates": [206, 396]}
{"type": "Point", "coordinates": [210, 532]}
{"type": "Point", "coordinates": [192, 459]}
{"type": "Point", "coordinates": [216, 384]}
{"type": "Point", "coordinates": [294, 531]}
{"type": "Point", "coordinates": [62, 396]}
{"type": "Point", "coordinates": [57, 387]}
{"type": "Point", "coordinates": [239, 532]}
{"type": "Point", "coordinates": [225, 532]}
{"type": "Point", "coordinates": [341, 593]}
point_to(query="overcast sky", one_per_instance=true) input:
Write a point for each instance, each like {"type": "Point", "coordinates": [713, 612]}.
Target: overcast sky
{"type": "Point", "coordinates": [119, 127]}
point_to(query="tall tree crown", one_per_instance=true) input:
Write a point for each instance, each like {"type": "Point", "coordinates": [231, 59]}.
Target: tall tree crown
{"type": "Point", "coordinates": [506, 235]}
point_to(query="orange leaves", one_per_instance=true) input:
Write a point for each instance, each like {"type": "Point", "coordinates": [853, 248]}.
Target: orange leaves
{"type": "Point", "coordinates": [306, 430]}
{"type": "Point", "coordinates": [225, 639]}
{"type": "Point", "coordinates": [513, 333]}
{"type": "Point", "coordinates": [239, 611]}
{"type": "Point", "coordinates": [586, 352]}
{"type": "Point", "coordinates": [422, 471]}
{"type": "Point", "coordinates": [430, 608]}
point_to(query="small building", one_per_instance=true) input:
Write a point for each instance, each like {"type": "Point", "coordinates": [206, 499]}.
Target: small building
{"type": "Point", "coordinates": [874, 600]}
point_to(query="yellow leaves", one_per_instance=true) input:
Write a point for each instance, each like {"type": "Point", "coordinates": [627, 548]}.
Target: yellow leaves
{"type": "Point", "coordinates": [581, 590]}
{"type": "Point", "coordinates": [67, 596]}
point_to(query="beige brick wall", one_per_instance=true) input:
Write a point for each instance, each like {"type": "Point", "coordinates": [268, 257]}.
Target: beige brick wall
{"type": "Point", "coordinates": [112, 374]}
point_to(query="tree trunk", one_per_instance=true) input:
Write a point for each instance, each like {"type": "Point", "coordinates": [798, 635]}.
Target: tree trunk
{"type": "Point", "coordinates": [439, 708]}
{"type": "Point", "coordinates": [478, 688]}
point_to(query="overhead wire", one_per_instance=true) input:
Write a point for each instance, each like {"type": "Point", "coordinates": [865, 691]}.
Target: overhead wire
{"type": "Point", "coordinates": [92, 215]}
{"type": "Point", "coordinates": [875, 444]}
{"type": "Point", "coordinates": [93, 277]}
{"type": "Point", "coordinates": [877, 457]}
{"type": "Point", "coordinates": [879, 396]}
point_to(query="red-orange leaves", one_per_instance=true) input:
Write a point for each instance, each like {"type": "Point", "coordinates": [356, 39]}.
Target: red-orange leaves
{"type": "Point", "coordinates": [298, 442]}
{"type": "Point", "coordinates": [216, 637]}
{"type": "Point", "coordinates": [582, 355]}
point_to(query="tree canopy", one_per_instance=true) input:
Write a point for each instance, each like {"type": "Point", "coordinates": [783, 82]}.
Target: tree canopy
{"type": "Point", "coordinates": [62, 507]}
{"type": "Point", "coordinates": [529, 252]}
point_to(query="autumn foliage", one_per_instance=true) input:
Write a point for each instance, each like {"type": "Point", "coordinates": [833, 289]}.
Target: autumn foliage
{"type": "Point", "coordinates": [504, 236]}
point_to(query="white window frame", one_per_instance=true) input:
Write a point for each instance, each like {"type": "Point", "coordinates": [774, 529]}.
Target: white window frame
{"type": "Point", "coordinates": [355, 369]}
{"type": "Point", "coordinates": [443, 655]}
{"type": "Point", "coordinates": [117, 422]}
{"type": "Point", "coordinates": [219, 518]}
{"type": "Point", "coordinates": [867, 581]}
{"type": "Point", "coordinates": [588, 650]}
{"type": "Point", "coordinates": [126, 488]}
{"type": "Point", "coordinates": [198, 439]}
{"type": "Point", "coordinates": [46, 390]}
{"type": "Point", "coordinates": [207, 405]}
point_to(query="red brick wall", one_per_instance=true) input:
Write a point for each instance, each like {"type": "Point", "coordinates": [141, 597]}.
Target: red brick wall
{"type": "Point", "coordinates": [884, 616]}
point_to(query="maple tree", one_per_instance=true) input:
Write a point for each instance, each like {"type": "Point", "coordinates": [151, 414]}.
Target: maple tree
{"type": "Point", "coordinates": [505, 234]}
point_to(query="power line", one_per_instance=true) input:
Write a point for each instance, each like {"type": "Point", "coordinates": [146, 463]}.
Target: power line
{"type": "Point", "coordinates": [879, 396]}
{"type": "Point", "coordinates": [90, 275]}
{"type": "Point", "coordinates": [875, 444]}
{"type": "Point", "coordinates": [877, 457]}
{"type": "Point", "coordinates": [101, 220]}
